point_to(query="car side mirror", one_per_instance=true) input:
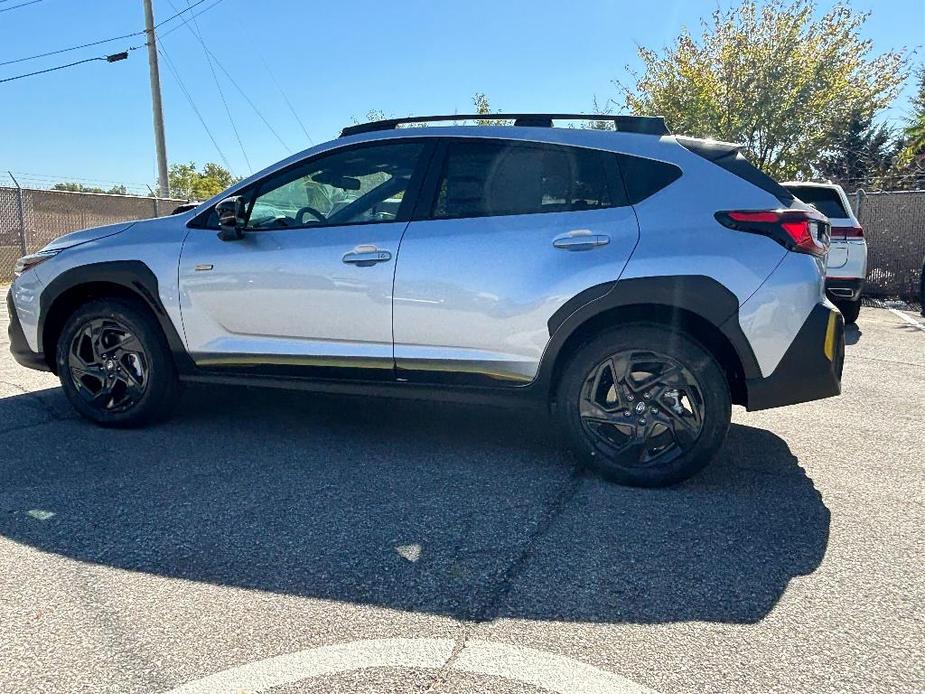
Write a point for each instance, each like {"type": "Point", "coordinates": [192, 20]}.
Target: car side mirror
{"type": "Point", "coordinates": [231, 218]}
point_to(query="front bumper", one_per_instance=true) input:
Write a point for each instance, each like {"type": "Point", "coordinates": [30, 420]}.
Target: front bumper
{"type": "Point", "coordinates": [844, 288]}
{"type": "Point", "coordinates": [811, 368]}
{"type": "Point", "coordinates": [18, 344]}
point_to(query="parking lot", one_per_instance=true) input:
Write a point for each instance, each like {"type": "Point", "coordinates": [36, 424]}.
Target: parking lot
{"type": "Point", "coordinates": [316, 544]}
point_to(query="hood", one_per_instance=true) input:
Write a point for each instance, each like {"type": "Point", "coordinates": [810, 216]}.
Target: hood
{"type": "Point", "coordinates": [75, 238]}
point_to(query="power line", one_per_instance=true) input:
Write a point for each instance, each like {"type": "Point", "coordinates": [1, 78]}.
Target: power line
{"type": "Point", "coordinates": [251, 103]}
{"type": "Point", "coordinates": [14, 7]}
{"type": "Point", "coordinates": [286, 99]}
{"type": "Point", "coordinates": [189, 98]}
{"type": "Point", "coordinates": [198, 34]}
{"type": "Point", "coordinates": [101, 41]}
{"type": "Point", "coordinates": [228, 75]}
{"type": "Point", "coordinates": [178, 26]}
{"type": "Point", "coordinates": [72, 48]}
{"type": "Point", "coordinates": [177, 14]}
{"type": "Point", "coordinates": [51, 177]}
{"type": "Point", "coordinates": [108, 58]}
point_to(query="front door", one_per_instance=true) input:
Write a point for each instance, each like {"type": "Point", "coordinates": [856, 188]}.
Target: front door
{"type": "Point", "coordinates": [309, 285]}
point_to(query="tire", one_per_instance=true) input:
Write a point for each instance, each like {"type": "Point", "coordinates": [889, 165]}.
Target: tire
{"type": "Point", "coordinates": [850, 310]}
{"type": "Point", "coordinates": [677, 429]}
{"type": "Point", "coordinates": [115, 366]}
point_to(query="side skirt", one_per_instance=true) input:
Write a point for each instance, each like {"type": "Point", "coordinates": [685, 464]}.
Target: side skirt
{"type": "Point", "coordinates": [526, 396]}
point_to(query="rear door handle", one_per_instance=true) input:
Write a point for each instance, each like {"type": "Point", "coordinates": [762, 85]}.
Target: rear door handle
{"type": "Point", "coordinates": [580, 240]}
{"type": "Point", "coordinates": [364, 256]}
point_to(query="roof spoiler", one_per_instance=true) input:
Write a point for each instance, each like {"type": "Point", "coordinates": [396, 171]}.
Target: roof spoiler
{"type": "Point", "coordinates": [709, 149]}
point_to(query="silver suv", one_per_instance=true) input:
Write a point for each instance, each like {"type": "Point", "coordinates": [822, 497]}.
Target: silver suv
{"type": "Point", "coordinates": [636, 283]}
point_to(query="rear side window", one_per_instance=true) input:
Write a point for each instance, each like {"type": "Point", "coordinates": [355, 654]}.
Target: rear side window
{"type": "Point", "coordinates": [826, 200]}
{"type": "Point", "coordinates": [645, 177]}
{"type": "Point", "coordinates": [491, 177]}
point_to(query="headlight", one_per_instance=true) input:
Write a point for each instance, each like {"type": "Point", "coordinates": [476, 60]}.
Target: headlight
{"type": "Point", "coordinates": [30, 261]}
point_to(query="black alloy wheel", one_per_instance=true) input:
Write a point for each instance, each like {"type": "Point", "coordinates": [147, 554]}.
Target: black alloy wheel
{"type": "Point", "coordinates": [643, 404]}
{"type": "Point", "coordinates": [108, 365]}
{"type": "Point", "coordinates": [115, 365]}
{"type": "Point", "coordinates": [642, 408]}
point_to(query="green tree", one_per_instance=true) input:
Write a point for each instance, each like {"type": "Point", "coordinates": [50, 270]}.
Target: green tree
{"type": "Point", "coordinates": [483, 108]}
{"type": "Point", "coordinates": [772, 76]}
{"type": "Point", "coordinates": [909, 166]}
{"type": "Point", "coordinates": [187, 181]}
{"type": "Point", "coordinates": [861, 155]}
{"type": "Point", "coordinates": [598, 110]}
{"type": "Point", "coordinates": [914, 132]}
{"type": "Point", "coordinates": [479, 101]}
{"type": "Point", "coordinates": [80, 188]}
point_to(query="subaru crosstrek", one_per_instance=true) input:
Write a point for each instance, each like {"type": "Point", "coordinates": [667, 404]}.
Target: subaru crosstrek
{"type": "Point", "coordinates": [636, 283]}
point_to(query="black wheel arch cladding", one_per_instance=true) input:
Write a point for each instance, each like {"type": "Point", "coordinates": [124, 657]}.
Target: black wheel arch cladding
{"type": "Point", "coordinates": [699, 295]}
{"type": "Point", "coordinates": [131, 277]}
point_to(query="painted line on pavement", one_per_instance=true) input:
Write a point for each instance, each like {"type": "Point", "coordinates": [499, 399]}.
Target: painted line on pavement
{"type": "Point", "coordinates": [554, 673]}
{"type": "Point", "coordinates": [909, 319]}
{"type": "Point", "coordinates": [544, 670]}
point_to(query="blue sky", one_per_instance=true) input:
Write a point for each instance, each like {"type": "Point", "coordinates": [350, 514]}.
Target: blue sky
{"type": "Point", "coordinates": [334, 60]}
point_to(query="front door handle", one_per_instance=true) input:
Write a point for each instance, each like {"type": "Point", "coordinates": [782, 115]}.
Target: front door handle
{"type": "Point", "coordinates": [580, 240]}
{"type": "Point", "coordinates": [364, 256]}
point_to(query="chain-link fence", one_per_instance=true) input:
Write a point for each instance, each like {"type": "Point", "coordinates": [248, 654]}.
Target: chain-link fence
{"type": "Point", "coordinates": [29, 219]}
{"type": "Point", "coordinates": [894, 226]}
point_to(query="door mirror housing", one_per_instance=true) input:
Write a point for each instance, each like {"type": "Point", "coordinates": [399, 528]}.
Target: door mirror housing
{"type": "Point", "coordinates": [231, 218]}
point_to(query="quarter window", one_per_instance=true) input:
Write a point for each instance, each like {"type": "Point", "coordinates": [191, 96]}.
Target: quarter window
{"type": "Point", "coordinates": [354, 186]}
{"type": "Point", "coordinates": [490, 177]}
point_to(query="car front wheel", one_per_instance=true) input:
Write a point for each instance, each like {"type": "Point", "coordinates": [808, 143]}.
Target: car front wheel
{"type": "Point", "coordinates": [644, 405]}
{"type": "Point", "coordinates": [114, 364]}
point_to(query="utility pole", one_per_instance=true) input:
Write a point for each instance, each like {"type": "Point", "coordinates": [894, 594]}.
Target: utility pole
{"type": "Point", "coordinates": [160, 146]}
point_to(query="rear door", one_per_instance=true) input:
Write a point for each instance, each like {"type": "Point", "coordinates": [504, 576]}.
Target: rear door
{"type": "Point", "coordinates": [512, 230]}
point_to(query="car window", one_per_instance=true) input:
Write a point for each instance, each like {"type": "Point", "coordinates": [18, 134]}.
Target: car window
{"type": "Point", "coordinates": [826, 200]}
{"type": "Point", "coordinates": [645, 177]}
{"type": "Point", "coordinates": [359, 185]}
{"type": "Point", "coordinates": [490, 177]}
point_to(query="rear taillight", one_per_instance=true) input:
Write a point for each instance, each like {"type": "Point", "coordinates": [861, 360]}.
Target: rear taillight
{"type": "Point", "coordinates": [799, 230]}
{"type": "Point", "coordinates": [847, 232]}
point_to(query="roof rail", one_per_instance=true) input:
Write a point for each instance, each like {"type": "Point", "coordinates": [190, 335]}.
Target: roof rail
{"type": "Point", "coordinates": [644, 125]}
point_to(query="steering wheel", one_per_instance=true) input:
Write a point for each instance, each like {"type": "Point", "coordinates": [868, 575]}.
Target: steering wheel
{"type": "Point", "coordinates": [300, 215]}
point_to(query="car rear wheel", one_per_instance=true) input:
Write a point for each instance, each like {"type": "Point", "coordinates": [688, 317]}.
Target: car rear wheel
{"type": "Point", "coordinates": [850, 310]}
{"type": "Point", "coordinates": [644, 405]}
{"type": "Point", "coordinates": [114, 364]}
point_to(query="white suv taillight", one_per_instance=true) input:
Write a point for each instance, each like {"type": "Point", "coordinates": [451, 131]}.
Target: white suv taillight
{"type": "Point", "coordinates": [800, 231]}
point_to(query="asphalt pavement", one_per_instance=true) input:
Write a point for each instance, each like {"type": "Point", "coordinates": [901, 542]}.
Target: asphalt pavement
{"type": "Point", "coordinates": [301, 543]}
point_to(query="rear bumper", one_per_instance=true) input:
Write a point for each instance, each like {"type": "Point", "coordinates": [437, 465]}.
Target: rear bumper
{"type": "Point", "coordinates": [844, 288]}
{"type": "Point", "coordinates": [811, 368]}
{"type": "Point", "coordinates": [19, 347]}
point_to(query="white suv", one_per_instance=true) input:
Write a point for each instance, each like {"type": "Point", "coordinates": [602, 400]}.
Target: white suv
{"type": "Point", "coordinates": [637, 283]}
{"type": "Point", "coordinates": [846, 265]}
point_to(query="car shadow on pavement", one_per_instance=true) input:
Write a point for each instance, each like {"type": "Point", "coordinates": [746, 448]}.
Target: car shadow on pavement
{"type": "Point", "coordinates": [460, 511]}
{"type": "Point", "coordinates": [852, 334]}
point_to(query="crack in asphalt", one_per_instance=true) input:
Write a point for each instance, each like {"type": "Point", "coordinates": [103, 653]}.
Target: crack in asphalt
{"type": "Point", "coordinates": [504, 580]}
{"type": "Point", "coordinates": [502, 586]}
{"type": "Point", "coordinates": [47, 409]}
{"type": "Point", "coordinates": [885, 361]}
{"type": "Point", "coordinates": [440, 677]}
